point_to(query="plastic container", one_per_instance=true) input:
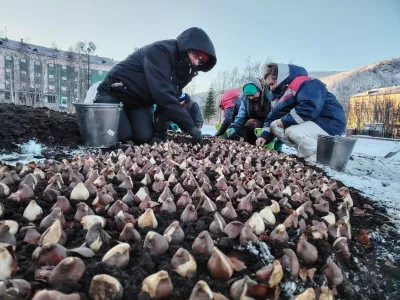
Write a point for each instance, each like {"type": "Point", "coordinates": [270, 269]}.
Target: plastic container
{"type": "Point", "coordinates": [335, 151]}
{"type": "Point", "coordinates": [98, 123]}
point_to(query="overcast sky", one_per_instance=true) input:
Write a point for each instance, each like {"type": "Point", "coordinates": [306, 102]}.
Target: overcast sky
{"type": "Point", "coordinates": [320, 35]}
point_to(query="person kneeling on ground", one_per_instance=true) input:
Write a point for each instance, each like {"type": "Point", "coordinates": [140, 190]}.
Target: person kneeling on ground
{"type": "Point", "coordinates": [230, 104]}
{"type": "Point", "coordinates": [253, 110]}
{"type": "Point", "coordinates": [156, 74]}
{"type": "Point", "coordinates": [192, 109]}
{"type": "Point", "coordinates": [302, 109]}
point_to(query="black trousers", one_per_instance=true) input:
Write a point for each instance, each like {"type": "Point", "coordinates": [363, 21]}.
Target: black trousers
{"type": "Point", "coordinates": [247, 133]}
{"type": "Point", "coordinates": [135, 124]}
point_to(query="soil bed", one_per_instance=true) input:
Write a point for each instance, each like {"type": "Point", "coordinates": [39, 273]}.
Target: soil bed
{"type": "Point", "coordinates": [373, 272]}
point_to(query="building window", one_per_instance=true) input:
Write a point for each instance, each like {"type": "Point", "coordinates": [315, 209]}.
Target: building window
{"type": "Point", "coordinates": [64, 67]}
{"type": "Point", "coordinates": [7, 96]}
{"type": "Point", "coordinates": [100, 72]}
{"type": "Point", "coordinates": [76, 79]}
{"type": "Point", "coordinates": [64, 88]}
{"type": "Point", "coordinates": [51, 87]}
{"type": "Point", "coordinates": [37, 63]}
{"type": "Point", "coordinates": [23, 60]}
{"type": "Point", "coordinates": [64, 78]}
{"type": "Point", "coordinates": [64, 101]}
{"type": "Point", "coordinates": [8, 57]}
{"type": "Point", "coordinates": [51, 65]}
{"type": "Point", "coordinates": [8, 70]}
{"type": "Point", "coordinates": [23, 72]}
{"type": "Point", "coordinates": [51, 99]}
{"type": "Point", "coordinates": [51, 76]}
{"type": "Point", "coordinates": [38, 75]}
{"type": "Point", "coordinates": [75, 90]}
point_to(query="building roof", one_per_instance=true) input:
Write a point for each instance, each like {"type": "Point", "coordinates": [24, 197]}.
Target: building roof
{"type": "Point", "coordinates": [381, 91]}
{"type": "Point", "coordinates": [51, 52]}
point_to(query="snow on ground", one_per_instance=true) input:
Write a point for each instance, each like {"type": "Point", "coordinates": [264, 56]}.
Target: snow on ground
{"type": "Point", "coordinates": [367, 170]}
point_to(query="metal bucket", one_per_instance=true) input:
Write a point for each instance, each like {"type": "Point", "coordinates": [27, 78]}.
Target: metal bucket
{"type": "Point", "coordinates": [335, 151]}
{"type": "Point", "coordinates": [325, 148]}
{"type": "Point", "coordinates": [98, 123]}
{"type": "Point", "coordinates": [341, 152]}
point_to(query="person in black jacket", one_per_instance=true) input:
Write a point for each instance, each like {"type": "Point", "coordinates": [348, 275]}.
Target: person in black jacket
{"type": "Point", "coordinates": [156, 74]}
{"type": "Point", "coordinates": [230, 104]}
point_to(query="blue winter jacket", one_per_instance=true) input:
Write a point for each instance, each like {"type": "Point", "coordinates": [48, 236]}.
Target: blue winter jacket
{"type": "Point", "coordinates": [300, 98]}
{"type": "Point", "coordinates": [246, 111]}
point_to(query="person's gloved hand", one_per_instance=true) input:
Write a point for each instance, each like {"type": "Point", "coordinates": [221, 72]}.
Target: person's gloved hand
{"type": "Point", "coordinates": [174, 127]}
{"type": "Point", "coordinates": [197, 136]}
{"type": "Point", "coordinates": [230, 132]}
{"type": "Point", "coordinates": [217, 133]}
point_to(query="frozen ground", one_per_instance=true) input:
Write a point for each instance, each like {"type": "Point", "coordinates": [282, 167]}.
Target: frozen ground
{"type": "Point", "coordinates": [368, 171]}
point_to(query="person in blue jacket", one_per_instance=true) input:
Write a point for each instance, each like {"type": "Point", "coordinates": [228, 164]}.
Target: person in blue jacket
{"type": "Point", "coordinates": [302, 108]}
{"type": "Point", "coordinates": [252, 112]}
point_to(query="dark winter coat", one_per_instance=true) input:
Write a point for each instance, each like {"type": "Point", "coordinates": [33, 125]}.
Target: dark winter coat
{"type": "Point", "coordinates": [194, 111]}
{"type": "Point", "coordinates": [230, 104]}
{"type": "Point", "coordinates": [302, 99]}
{"type": "Point", "coordinates": [158, 72]}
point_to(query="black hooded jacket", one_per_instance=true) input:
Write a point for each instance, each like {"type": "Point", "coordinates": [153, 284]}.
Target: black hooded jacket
{"type": "Point", "coordinates": [158, 72]}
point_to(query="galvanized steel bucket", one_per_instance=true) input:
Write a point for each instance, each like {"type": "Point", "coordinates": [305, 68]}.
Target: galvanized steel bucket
{"type": "Point", "coordinates": [335, 151]}
{"type": "Point", "coordinates": [98, 123]}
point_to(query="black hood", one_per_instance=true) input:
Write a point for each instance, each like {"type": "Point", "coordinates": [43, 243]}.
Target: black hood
{"type": "Point", "coordinates": [196, 38]}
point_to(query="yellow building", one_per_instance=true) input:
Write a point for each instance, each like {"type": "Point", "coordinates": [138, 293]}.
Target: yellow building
{"type": "Point", "coordinates": [378, 106]}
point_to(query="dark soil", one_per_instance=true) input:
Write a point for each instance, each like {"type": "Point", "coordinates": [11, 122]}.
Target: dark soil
{"type": "Point", "coordinates": [19, 124]}
{"type": "Point", "coordinates": [371, 273]}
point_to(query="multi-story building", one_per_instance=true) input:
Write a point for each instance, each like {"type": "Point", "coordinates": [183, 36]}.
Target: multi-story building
{"type": "Point", "coordinates": [40, 76]}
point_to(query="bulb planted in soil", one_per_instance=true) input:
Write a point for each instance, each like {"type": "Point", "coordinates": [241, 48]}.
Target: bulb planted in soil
{"type": "Point", "coordinates": [201, 291]}
{"type": "Point", "coordinates": [155, 243]}
{"type": "Point", "coordinates": [174, 233]}
{"type": "Point", "coordinates": [55, 295]}
{"type": "Point", "coordinates": [8, 262]}
{"type": "Point", "coordinates": [33, 211]}
{"type": "Point", "coordinates": [104, 286]}
{"type": "Point", "coordinates": [129, 234]}
{"type": "Point", "coordinates": [148, 219]}
{"type": "Point", "coordinates": [96, 237]}
{"type": "Point", "coordinates": [203, 244]}
{"type": "Point", "coordinates": [117, 257]}
{"type": "Point", "coordinates": [15, 289]}
{"type": "Point", "coordinates": [184, 263]}
{"type": "Point", "coordinates": [219, 265]}
{"type": "Point", "coordinates": [158, 285]}
{"type": "Point", "coordinates": [70, 269]}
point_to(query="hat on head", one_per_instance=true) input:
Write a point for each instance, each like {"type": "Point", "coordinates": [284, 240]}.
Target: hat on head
{"type": "Point", "coordinates": [182, 97]}
{"type": "Point", "coordinates": [250, 89]}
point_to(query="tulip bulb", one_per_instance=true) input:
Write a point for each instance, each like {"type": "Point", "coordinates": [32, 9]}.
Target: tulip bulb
{"type": "Point", "coordinates": [201, 291]}
{"type": "Point", "coordinates": [129, 234]}
{"type": "Point", "coordinates": [63, 204]}
{"type": "Point", "coordinates": [247, 235]}
{"type": "Point", "coordinates": [54, 234]}
{"type": "Point", "coordinates": [189, 214]}
{"type": "Point", "coordinates": [306, 251]}
{"type": "Point", "coordinates": [96, 237]}
{"type": "Point", "coordinates": [8, 262]}
{"type": "Point", "coordinates": [55, 295]}
{"type": "Point", "coordinates": [275, 208]}
{"type": "Point", "coordinates": [290, 262]}
{"type": "Point", "coordinates": [208, 205]}
{"type": "Point", "coordinates": [271, 274]}
{"type": "Point", "coordinates": [104, 286]}
{"type": "Point", "coordinates": [70, 269]}
{"type": "Point", "coordinates": [184, 200]}
{"type": "Point", "coordinates": [158, 285]}
{"type": "Point", "coordinates": [233, 229]}
{"type": "Point", "coordinates": [184, 263]}
{"type": "Point", "coordinates": [279, 234]}
{"type": "Point", "coordinates": [90, 220]}
{"type": "Point", "coordinates": [203, 244]}
{"type": "Point", "coordinates": [218, 225]}
{"type": "Point", "coordinates": [166, 193]}
{"type": "Point", "coordinates": [341, 247]}
{"type": "Point", "coordinates": [4, 190]}
{"type": "Point", "coordinates": [117, 257]}
{"type": "Point", "coordinates": [15, 289]}
{"type": "Point", "coordinates": [82, 210]}
{"type": "Point", "coordinates": [333, 273]}
{"type": "Point", "coordinates": [155, 243]}
{"type": "Point", "coordinates": [24, 193]}
{"type": "Point", "coordinates": [330, 219]}
{"type": "Point", "coordinates": [148, 219]}
{"type": "Point", "coordinates": [219, 265]}
{"type": "Point", "coordinates": [267, 215]}
{"type": "Point", "coordinates": [33, 211]}
{"type": "Point", "coordinates": [13, 226]}
{"type": "Point", "coordinates": [256, 223]}
{"type": "Point", "coordinates": [168, 207]}
{"type": "Point", "coordinates": [308, 294]}
{"type": "Point", "coordinates": [228, 211]}
{"type": "Point", "coordinates": [174, 233]}
{"type": "Point", "coordinates": [178, 189]}
{"type": "Point", "coordinates": [80, 193]}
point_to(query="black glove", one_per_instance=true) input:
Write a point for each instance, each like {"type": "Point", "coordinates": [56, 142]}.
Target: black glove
{"type": "Point", "coordinates": [197, 136]}
{"type": "Point", "coordinates": [217, 133]}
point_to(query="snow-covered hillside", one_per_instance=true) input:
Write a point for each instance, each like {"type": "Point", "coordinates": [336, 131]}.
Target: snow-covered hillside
{"type": "Point", "coordinates": [377, 75]}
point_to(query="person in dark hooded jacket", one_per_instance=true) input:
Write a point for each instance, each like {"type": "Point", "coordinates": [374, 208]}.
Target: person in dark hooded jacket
{"type": "Point", "coordinates": [156, 74]}
{"type": "Point", "coordinates": [252, 112]}
{"type": "Point", "coordinates": [230, 104]}
{"type": "Point", "coordinates": [302, 108]}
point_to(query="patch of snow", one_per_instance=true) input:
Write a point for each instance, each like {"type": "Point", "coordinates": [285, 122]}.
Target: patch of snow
{"type": "Point", "coordinates": [28, 152]}
{"type": "Point", "coordinates": [208, 129]}
{"type": "Point", "coordinates": [368, 171]}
